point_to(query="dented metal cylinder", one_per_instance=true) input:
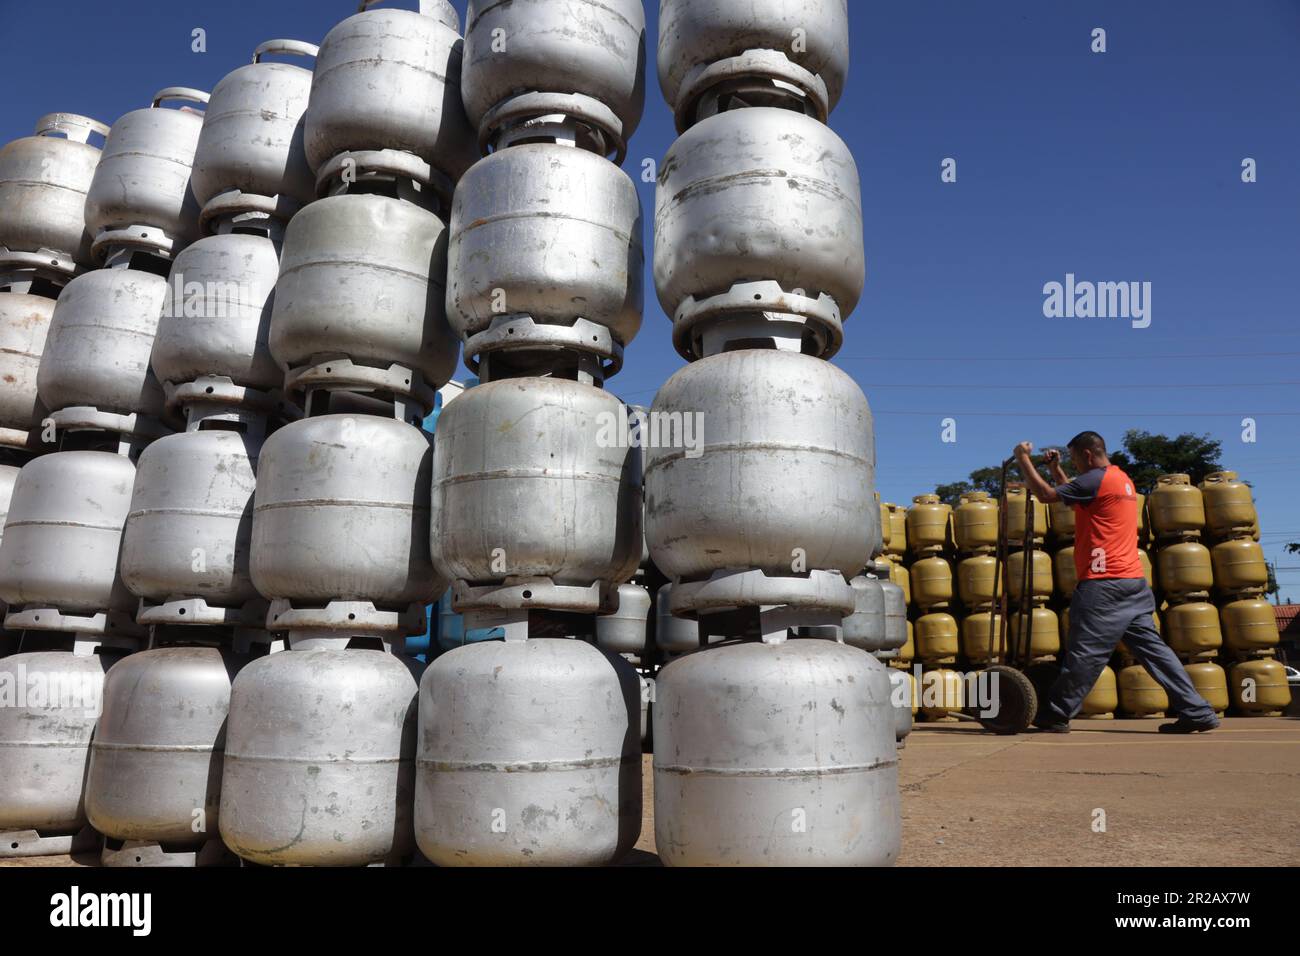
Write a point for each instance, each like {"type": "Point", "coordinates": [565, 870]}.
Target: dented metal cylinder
{"type": "Point", "coordinates": [773, 472]}
{"type": "Point", "coordinates": [156, 760]}
{"type": "Point", "coordinates": [389, 79]}
{"type": "Point", "coordinates": [559, 772]}
{"type": "Point", "coordinates": [319, 760]}
{"type": "Point", "coordinates": [740, 780]}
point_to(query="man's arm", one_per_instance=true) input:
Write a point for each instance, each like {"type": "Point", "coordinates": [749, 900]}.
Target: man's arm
{"type": "Point", "coordinates": [1053, 459]}
{"type": "Point", "coordinates": [1036, 482]}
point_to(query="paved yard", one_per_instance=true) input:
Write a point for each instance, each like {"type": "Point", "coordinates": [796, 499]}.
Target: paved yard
{"type": "Point", "coordinates": [1229, 798]}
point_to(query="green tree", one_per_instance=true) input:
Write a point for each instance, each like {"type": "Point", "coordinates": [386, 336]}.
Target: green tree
{"type": "Point", "coordinates": [988, 479]}
{"type": "Point", "coordinates": [1146, 457]}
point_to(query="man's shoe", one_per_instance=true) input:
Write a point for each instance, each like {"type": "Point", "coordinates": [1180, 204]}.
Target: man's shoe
{"type": "Point", "coordinates": [1185, 726]}
{"type": "Point", "coordinates": [1051, 727]}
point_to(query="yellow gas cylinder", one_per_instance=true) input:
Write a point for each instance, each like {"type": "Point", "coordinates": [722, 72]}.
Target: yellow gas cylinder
{"type": "Point", "coordinates": [899, 575]}
{"type": "Point", "coordinates": [1040, 578]}
{"type": "Point", "coordinates": [1147, 571]}
{"type": "Point", "coordinates": [1103, 699]}
{"type": "Point", "coordinates": [929, 525]}
{"type": "Point", "coordinates": [897, 529]}
{"type": "Point", "coordinates": [1063, 572]}
{"type": "Point", "coordinates": [1249, 627]}
{"type": "Point", "coordinates": [1144, 528]}
{"type": "Point", "coordinates": [975, 580]}
{"type": "Point", "coordinates": [1258, 688]}
{"type": "Point", "coordinates": [937, 638]}
{"type": "Point", "coordinates": [1176, 507]}
{"type": "Point", "coordinates": [1229, 507]}
{"type": "Point", "coordinates": [975, 642]}
{"type": "Point", "coordinates": [1139, 694]}
{"type": "Point", "coordinates": [932, 582]}
{"type": "Point", "coordinates": [886, 526]}
{"type": "Point", "coordinates": [1044, 634]}
{"type": "Point", "coordinates": [1185, 568]}
{"type": "Point", "coordinates": [942, 694]}
{"type": "Point", "coordinates": [1060, 518]}
{"type": "Point", "coordinates": [1211, 683]}
{"type": "Point", "coordinates": [1016, 518]}
{"type": "Point", "coordinates": [1193, 630]}
{"type": "Point", "coordinates": [975, 523]}
{"type": "Point", "coordinates": [1239, 566]}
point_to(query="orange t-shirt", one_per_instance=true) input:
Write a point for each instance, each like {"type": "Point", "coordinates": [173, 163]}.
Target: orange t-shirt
{"type": "Point", "coordinates": [1105, 524]}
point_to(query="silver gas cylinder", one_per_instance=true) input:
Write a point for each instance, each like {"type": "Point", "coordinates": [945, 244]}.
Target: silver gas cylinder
{"type": "Point", "coordinates": [385, 95]}
{"type": "Point", "coordinates": [865, 627]}
{"type": "Point", "coordinates": [319, 760]}
{"type": "Point", "coordinates": [780, 467]}
{"type": "Point", "coordinates": [186, 543]}
{"type": "Point", "coordinates": [97, 351]}
{"type": "Point", "coordinates": [250, 158]}
{"type": "Point", "coordinates": [535, 63]}
{"type": "Point", "coordinates": [341, 514]}
{"type": "Point", "coordinates": [153, 783]}
{"type": "Point", "coordinates": [140, 197]}
{"type": "Point", "coordinates": [529, 755]}
{"type": "Point", "coordinates": [216, 319]}
{"type": "Point", "coordinates": [24, 325]}
{"type": "Point", "coordinates": [775, 754]}
{"type": "Point", "coordinates": [44, 179]}
{"type": "Point", "coordinates": [361, 299]}
{"type": "Point", "coordinates": [60, 552]}
{"type": "Point", "coordinates": [52, 703]}
{"type": "Point", "coordinates": [552, 234]}
{"type": "Point", "coordinates": [716, 53]}
{"type": "Point", "coordinates": [759, 211]}
{"type": "Point", "coordinates": [533, 478]}
{"type": "Point", "coordinates": [626, 631]}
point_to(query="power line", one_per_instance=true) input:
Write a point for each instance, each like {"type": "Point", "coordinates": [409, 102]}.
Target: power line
{"type": "Point", "coordinates": [978, 386]}
{"type": "Point", "coordinates": [1136, 415]}
{"type": "Point", "coordinates": [1145, 357]}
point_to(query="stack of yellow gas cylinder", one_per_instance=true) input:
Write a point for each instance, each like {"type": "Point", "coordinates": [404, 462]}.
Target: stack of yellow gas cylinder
{"type": "Point", "coordinates": [1200, 550]}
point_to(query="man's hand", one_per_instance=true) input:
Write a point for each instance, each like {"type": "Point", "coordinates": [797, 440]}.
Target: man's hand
{"type": "Point", "coordinates": [1051, 457]}
{"type": "Point", "coordinates": [1023, 450]}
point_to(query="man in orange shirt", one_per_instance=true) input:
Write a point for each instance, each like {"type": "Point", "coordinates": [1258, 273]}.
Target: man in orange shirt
{"type": "Point", "coordinates": [1111, 599]}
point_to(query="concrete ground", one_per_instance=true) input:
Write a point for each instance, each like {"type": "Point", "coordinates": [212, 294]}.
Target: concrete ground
{"type": "Point", "coordinates": [1228, 798]}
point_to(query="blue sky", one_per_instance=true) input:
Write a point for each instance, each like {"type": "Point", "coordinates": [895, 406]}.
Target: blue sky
{"type": "Point", "coordinates": [1122, 166]}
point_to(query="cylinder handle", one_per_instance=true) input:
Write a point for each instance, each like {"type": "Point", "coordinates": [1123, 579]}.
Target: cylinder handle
{"type": "Point", "coordinates": [179, 93]}
{"type": "Point", "coordinates": [288, 47]}
{"type": "Point", "coordinates": [72, 125]}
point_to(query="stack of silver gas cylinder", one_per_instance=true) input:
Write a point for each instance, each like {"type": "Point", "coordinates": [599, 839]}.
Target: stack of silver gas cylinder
{"type": "Point", "coordinates": [537, 515]}
{"type": "Point", "coordinates": [95, 406]}
{"type": "Point", "coordinates": [219, 337]}
{"type": "Point", "coordinates": [320, 745]}
{"type": "Point", "coordinates": [767, 750]}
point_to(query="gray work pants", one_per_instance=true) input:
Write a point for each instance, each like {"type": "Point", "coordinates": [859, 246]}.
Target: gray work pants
{"type": "Point", "coordinates": [1102, 613]}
